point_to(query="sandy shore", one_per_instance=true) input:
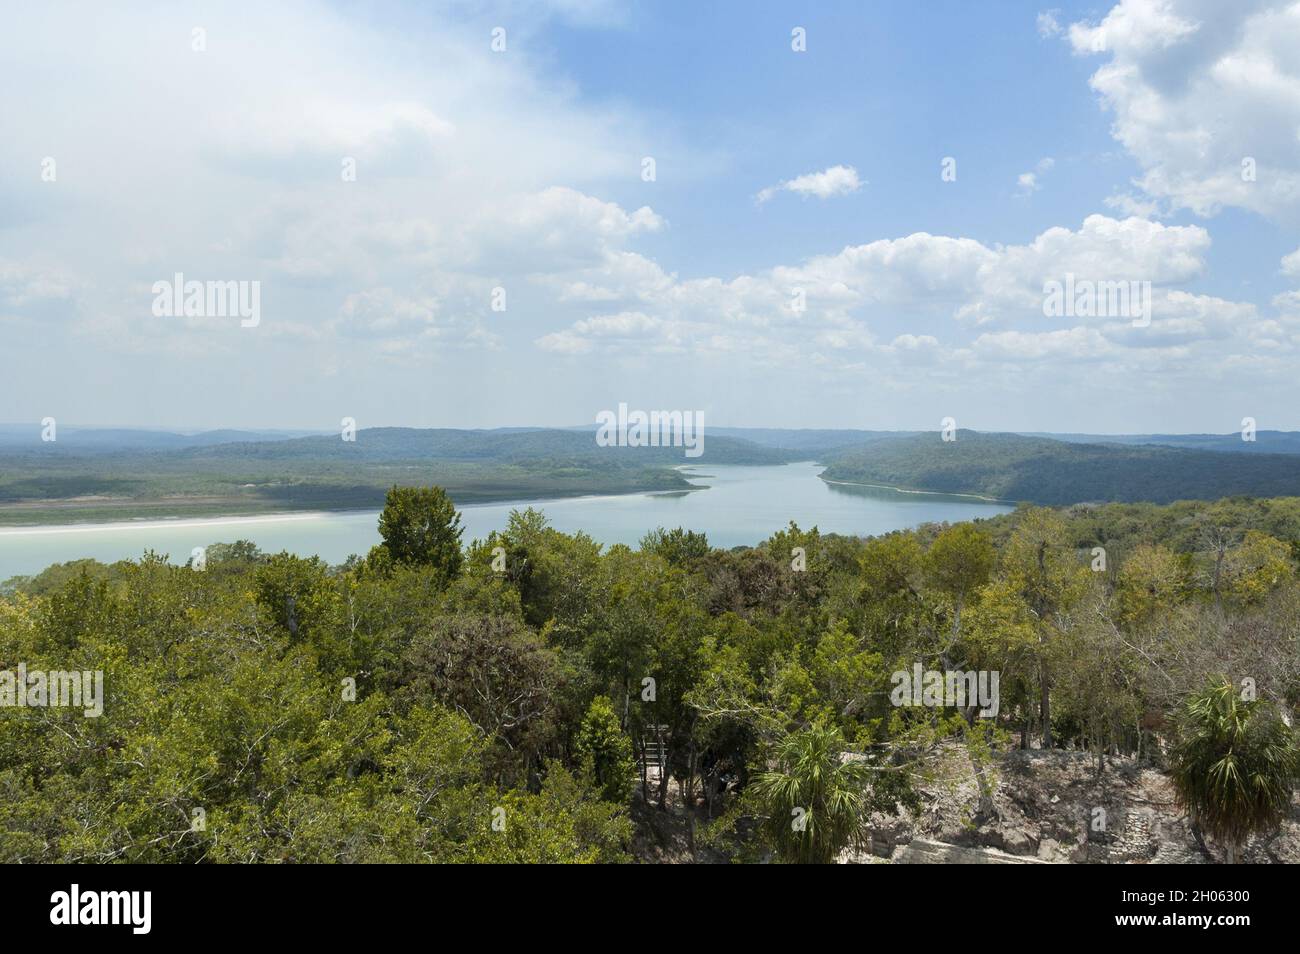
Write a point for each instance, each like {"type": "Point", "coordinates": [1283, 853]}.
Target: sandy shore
{"type": "Point", "coordinates": [177, 523]}
{"type": "Point", "coordinates": [928, 493]}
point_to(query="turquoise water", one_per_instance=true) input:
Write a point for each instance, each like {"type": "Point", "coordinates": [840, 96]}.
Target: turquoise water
{"type": "Point", "coordinates": [743, 506]}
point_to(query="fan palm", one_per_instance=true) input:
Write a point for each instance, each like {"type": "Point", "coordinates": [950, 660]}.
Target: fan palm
{"type": "Point", "coordinates": [1234, 764]}
{"type": "Point", "coordinates": [815, 799]}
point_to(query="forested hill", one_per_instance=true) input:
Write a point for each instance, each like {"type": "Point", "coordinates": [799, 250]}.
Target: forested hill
{"type": "Point", "coordinates": [387, 444]}
{"type": "Point", "coordinates": [57, 482]}
{"type": "Point", "coordinates": [447, 444]}
{"type": "Point", "coordinates": [1265, 442]}
{"type": "Point", "coordinates": [1052, 472]}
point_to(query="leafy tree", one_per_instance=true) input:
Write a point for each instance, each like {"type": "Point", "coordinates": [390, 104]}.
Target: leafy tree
{"type": "Point", "coordinates": [555, 574]}
{"type": "Point", "coordinates": [419, 525]}
{"type": "Point", "coordinates": [566, 823]}
{"type": "Point", "coordinates": [959, 561]}
{"type": "Point", "coordinates": [1043, 574]}
{"type": "Point", "coordinates": [1152, 579]}
{"type": "Point", "coordinates": [1257, 566]}
{"type": "Point", "coordinates": [296, 593]}
{"type": "Point", "coordinates": [957, 564]}
{"type": "Point", "coordinates": [890, 575]}
{"type": "Point", "coordinates": [498, 674]}
{"type": "Point", "coordinates": [603, 745]}
{"type": "Point", "coordinates": [851, 682]}
{"type": "Point", "coordinates": [676, 547]}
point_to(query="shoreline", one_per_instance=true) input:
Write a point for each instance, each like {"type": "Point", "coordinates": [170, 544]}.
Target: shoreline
{"type": "Point", "coordinates": [237, 519]}
{"type": "Point", "coordinates": [167, 522]}
{"type": "Point", "coordinates": [927, 493]}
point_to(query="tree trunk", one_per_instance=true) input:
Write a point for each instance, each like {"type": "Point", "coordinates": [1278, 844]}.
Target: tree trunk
{"type": "Point", "coordinates": [1219, 552]}
{"type": "Point", "coordinates": [663, 772]}
{"type": "Point", "coordinates": [985, 809]}
{"type": "Point", "coordinates": [645, 785]}
{"type": "Point", "coordinates": [1045, 705]}
{"type": "Point", "coordinates": [690, 799]}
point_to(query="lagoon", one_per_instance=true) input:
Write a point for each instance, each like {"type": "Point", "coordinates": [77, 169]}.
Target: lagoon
{"type": "Point", "coordinates": [742, 506]}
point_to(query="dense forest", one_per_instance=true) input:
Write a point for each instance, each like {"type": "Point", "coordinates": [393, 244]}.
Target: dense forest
{"type": "Point", "coordinates": [434, 700]}
{"type": "Point", "coordinates": [1058, 472]}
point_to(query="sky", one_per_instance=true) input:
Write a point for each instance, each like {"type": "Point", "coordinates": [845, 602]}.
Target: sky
{"type": "Point", "coordinates": [841, 214]}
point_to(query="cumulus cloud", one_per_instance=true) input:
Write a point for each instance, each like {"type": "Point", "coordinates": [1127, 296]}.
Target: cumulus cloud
{"type": "Point", "coordinates": [823, 311]}
{"type": "Point", "coordinates": [1291, 264]}
{"type": "Point", "coordinates": [1206, 97]}
{"type": "Point", "coordinates": [837, 180]}
{"type": "Point", "coordinates": [474, 173]}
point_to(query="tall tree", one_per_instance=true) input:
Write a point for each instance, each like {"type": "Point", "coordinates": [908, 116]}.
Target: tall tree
{"type": "Point", "coordinates": [957, 564]}
{"type": "Point", "coordinates": [1041, 567]}
{"type": "Point", "coordinates": [419, 525]}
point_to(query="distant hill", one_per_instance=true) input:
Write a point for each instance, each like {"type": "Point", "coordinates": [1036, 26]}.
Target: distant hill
{"type": "Point", "coordinates": [377, 444]}
{"type": "Point", "coordinates": [1266, 442]}
{"type": "Point", "coordinates": [109, 439]}
{"type": "Point", "coordinates": [813, 441]}
{"type": "Point", "coordinates": [447, 444]}
{"type": "Point", "coordinates": [94, 480]}
{"type": "Point", "coordinates": [1055, 472]}
{"type": "Point", "coordinates": [110, 473]}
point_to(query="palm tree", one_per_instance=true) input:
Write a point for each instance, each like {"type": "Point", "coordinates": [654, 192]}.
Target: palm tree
{"type": "Point", "coordinates": [1234, 764]}
{"type": "Point", "coordinates": [815, 799]}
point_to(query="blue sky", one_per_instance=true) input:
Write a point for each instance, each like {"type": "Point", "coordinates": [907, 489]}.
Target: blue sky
{"type": "Point", "coordinates": [1103, 141]}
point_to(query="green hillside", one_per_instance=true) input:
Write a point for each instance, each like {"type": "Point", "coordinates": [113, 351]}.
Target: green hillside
{"type": "Point", "coordinates": [52, 483]}
{"type": "Point", "coordinates": [1043, 471]}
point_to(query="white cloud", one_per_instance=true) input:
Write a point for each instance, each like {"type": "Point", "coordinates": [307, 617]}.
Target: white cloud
{"type": "Point", "coordinates": [837, 180]}
{"type": "Point", "coordinates": [1131, 205]}
{"type": "Point", "coordinates": [1027, 182]}
{"type": "Point", "coordinates": [474, 172]}
{"type": "Point", "coordinates": [1200, 90]}
{"type": "Point", "coordinates": [914, 342]}
{"type": "Point", "coordinates": [22, 285]}
{"type": "Point", "coordinates": [1291, 264]}
{"type": "Point", "coordinates": [932, 278]}
{"type": "Point", "coordinates": [234, 169]}
{"type": "Point", "coordinates": [1048, 24]}
{"type": "Point", "coordinates": [1073, 343]}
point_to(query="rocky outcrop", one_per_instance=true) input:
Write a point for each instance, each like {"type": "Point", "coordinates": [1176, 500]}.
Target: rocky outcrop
{"type": "Point", "coordinates": [1053, 806]}
{"type": "Point", "coordinates": [920, 851]}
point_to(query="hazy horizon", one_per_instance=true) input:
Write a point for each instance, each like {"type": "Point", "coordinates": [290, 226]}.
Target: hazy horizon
{"type": "Point", "coordinates": [190, 430]}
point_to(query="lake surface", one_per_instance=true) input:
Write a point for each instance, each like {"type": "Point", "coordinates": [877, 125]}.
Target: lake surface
{"type": "Point", "coordinates": [743, 506]}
